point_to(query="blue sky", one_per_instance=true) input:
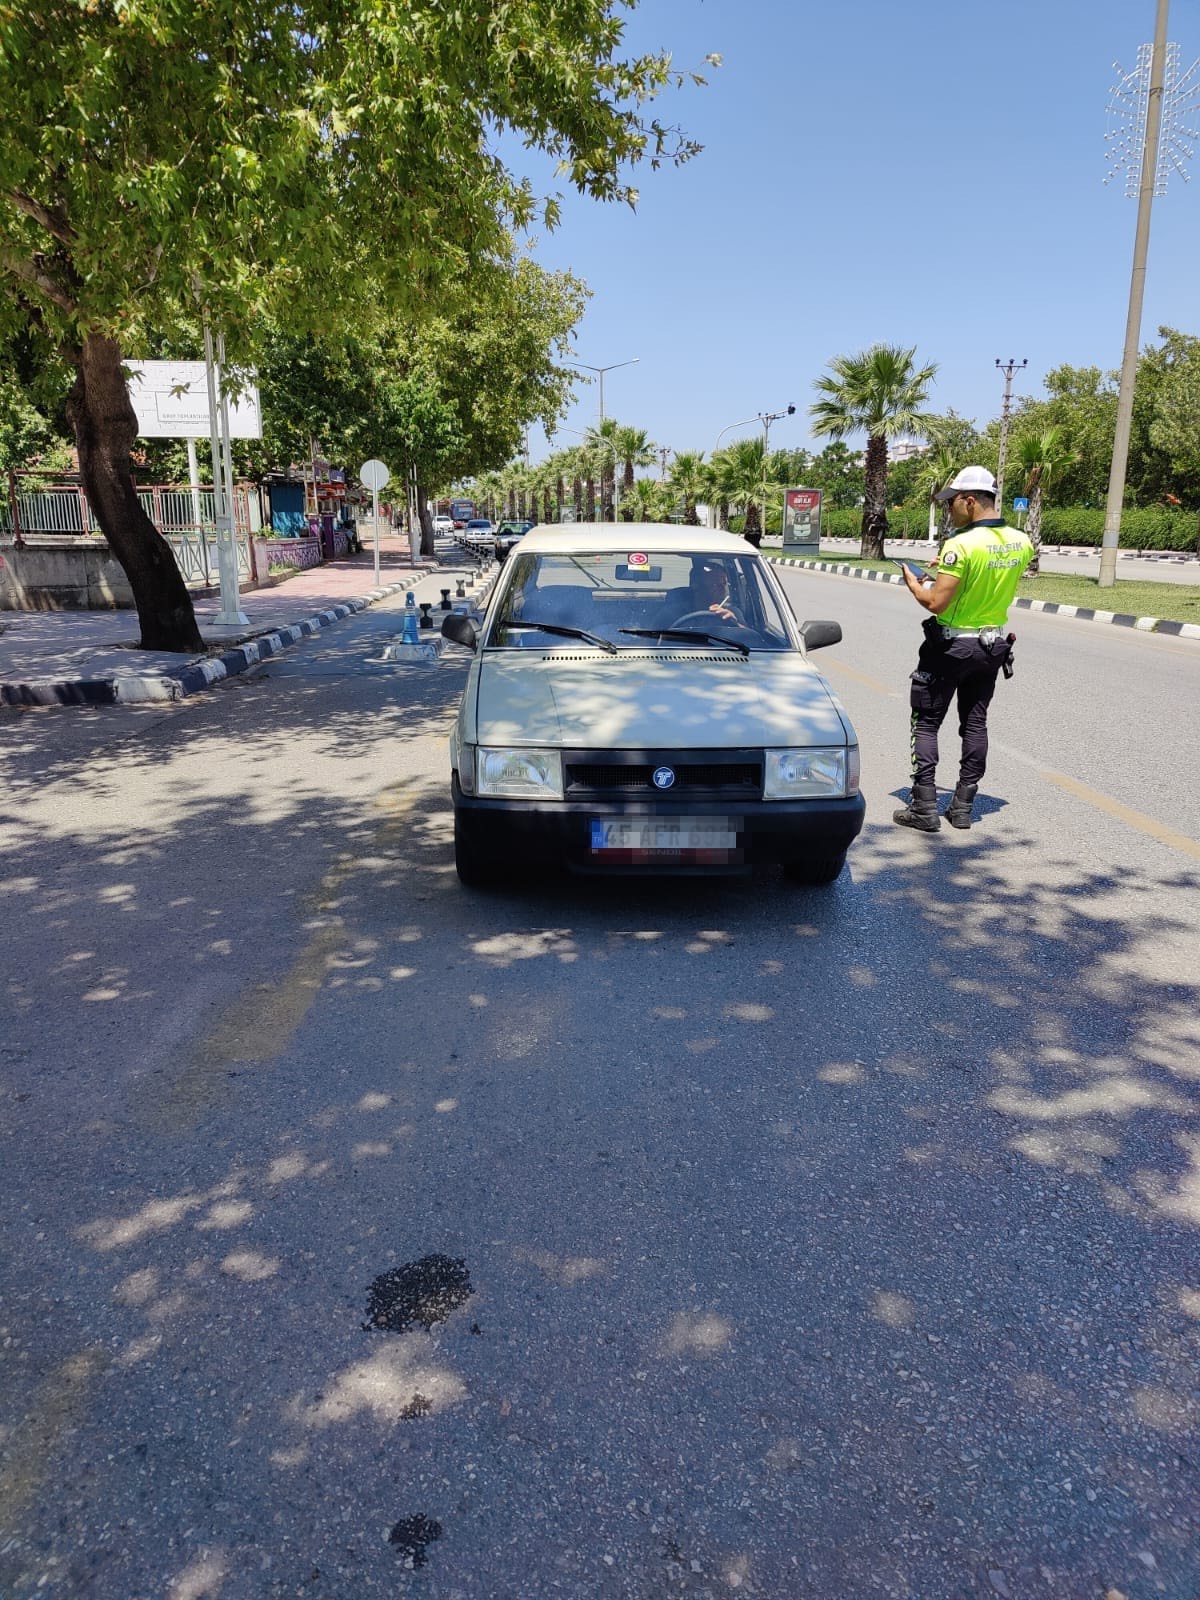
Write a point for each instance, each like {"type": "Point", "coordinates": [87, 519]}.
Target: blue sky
{"type": "Point", "coordinates": [929, 174]}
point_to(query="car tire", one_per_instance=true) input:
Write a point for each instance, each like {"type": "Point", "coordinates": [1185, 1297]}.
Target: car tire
{"type": "Point", "coordinates": [818, 867]}
{"type": "Point", "coordinates": [475, 869]}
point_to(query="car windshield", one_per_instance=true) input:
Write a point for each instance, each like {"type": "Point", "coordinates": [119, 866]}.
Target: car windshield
{"type": "Point", "coordinates": [634, 599]}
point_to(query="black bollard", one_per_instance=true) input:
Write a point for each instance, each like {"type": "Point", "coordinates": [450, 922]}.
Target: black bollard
{"type": "Point", "coordinates": [461, 592]}
{"type": "Point", "coordinates": [426, 619]}
{"type": "Point", "coordinates": [445, 599]}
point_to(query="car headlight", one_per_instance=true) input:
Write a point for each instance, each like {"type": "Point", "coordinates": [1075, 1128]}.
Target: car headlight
{"type": "Point", "coordinates": [508, 774]}
{"type": "Point", "coordinates": [813, 773]}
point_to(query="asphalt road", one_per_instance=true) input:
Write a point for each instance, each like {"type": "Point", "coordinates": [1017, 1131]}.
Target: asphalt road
{"type": "Point", "coordinates": [802, 1244]}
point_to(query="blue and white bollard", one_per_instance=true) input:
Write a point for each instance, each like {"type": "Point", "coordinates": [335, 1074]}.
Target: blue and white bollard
{"type": "Point", "coordinates": [410, 634]}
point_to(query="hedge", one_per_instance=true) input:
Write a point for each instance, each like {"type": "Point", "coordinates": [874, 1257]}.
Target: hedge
{"type": "Point", "coordinates": [1146, 528]}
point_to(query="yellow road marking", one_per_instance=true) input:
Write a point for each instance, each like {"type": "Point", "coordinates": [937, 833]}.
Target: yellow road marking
{"type": "Point", "coordinates": [860, 677]}
{"type": "Point", "coordinates": [258, 1026]}
{"type": "Point", "coordinates": [1123, 813]}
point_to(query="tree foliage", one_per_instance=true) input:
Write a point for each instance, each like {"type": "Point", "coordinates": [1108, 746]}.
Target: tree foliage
{"type": "Point", "coordinates": [306, 162]}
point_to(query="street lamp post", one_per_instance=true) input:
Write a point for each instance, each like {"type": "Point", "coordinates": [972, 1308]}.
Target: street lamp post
{"type": "Point", "coordinates": [612, 367]}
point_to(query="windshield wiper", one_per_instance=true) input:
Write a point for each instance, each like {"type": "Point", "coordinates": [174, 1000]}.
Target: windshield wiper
{"type": "Point", "coordinates": [567, 633]}
{"type": "Point", "coordinates": [686, 633]}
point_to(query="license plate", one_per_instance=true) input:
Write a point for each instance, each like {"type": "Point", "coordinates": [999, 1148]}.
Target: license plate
{"type": "Point", "coordinates": [665, 838]}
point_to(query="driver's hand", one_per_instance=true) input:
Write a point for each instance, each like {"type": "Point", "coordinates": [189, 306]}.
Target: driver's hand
{"type": "Point", "coordinates": [723, 612]}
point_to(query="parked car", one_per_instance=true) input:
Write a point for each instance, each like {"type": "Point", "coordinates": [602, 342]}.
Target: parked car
{"type": "Point", "coordinates": [479, 528]}
{"type": "Point", "coordinates": [443, 523]}
{"type": "Point", "coordinates": [643, 700]}
{"type": "Point", "coordinates": [509, 533]}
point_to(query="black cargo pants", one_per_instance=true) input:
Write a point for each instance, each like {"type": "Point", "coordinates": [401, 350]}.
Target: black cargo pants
{"type": "Point", "coordinates": [948, 669]}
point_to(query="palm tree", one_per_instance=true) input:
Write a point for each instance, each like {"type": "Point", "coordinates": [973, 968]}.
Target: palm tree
{"type": "Point", "coordinates": [881, 394]}
{"type": "Point", "coordinates": [687, 480]}
{"type": "Point", "coordinates": [647, 501]}
{"type": "Point", "coordinates": [937, 467]}
{"type": "Point", "coordinates": [1041, 456]}
{"type": "Point", "coordinates": [601, 441]}
{"type": "Point", "coordinates": [741, 479]}
{"type": "Point", "coordinates": [635, 448]}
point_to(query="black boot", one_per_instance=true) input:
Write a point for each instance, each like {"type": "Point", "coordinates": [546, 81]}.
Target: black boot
{"type": "Point", "coordinates": [921, 812]}
{"type": "Point", "coordinates": [958, 814]}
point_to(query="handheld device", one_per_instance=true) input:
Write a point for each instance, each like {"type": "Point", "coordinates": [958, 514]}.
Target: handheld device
{"type": "Point", "coordinates": [919, 573]}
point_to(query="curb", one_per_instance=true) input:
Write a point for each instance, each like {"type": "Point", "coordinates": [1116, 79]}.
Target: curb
{"type": "Point", "coordinates": [1120, 619]}
{"type": "Point", "coordinates": [199, 675]}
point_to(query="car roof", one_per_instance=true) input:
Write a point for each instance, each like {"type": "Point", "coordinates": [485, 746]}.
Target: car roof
{"type": "Point", "coordinates": [597, 537]}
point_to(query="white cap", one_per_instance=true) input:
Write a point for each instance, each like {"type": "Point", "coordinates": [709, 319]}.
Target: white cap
{"type": "Point", "coordinates": [971, 480]}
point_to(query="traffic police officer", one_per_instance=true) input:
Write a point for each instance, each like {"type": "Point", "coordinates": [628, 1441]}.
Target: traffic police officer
{"type": "Point", "coordinates": [966, 642]}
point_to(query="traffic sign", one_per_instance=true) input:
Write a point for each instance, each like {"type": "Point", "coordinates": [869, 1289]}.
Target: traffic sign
{"type": "Point", "coordinates": [1021, 503]}
{"type": "Point", "coordinates": [373, 474]}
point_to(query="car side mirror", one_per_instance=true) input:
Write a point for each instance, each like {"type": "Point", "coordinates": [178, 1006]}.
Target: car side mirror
{"type": "Point", "coordinates": [818, 634]}
{"type": "Point", "coordinates": [461, 629]}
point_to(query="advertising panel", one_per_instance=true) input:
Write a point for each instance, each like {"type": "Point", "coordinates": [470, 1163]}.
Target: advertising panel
{"type": "Point", "coordinates": [802, 520]}
{"type": "Point", "coordinates": [171, 402]}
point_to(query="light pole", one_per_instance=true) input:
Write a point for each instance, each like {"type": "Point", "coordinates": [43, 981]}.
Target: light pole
{"type": "Point", "coordinates": [612, 367]}
{"type": "Point", "coordinates": [1008, 368]}
{"type": "Point", "coordinates": [1147, 104]}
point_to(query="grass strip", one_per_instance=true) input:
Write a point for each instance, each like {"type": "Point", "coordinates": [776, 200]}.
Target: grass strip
{"type": "Point", "coordinates": [1169, 602]}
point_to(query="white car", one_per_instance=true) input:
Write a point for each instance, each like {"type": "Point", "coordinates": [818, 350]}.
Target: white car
{"type": "Point", "coordinates": [642, 700]}
{"type": "Point", "coordinates": [443, 524]}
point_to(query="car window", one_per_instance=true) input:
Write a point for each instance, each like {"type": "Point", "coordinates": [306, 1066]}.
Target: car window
{"type": "Point", "coordinates": [607, 593]}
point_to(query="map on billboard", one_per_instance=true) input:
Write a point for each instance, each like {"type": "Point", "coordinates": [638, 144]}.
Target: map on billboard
{"type": "Point", "coordinates": [171, 402]}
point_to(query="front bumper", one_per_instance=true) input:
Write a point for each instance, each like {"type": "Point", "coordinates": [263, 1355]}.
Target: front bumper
{"type": "Point", "coordinates": [559, 832]}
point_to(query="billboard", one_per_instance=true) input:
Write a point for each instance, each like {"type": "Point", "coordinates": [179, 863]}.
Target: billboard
{"type": "Point", "coordinates": [171, 402]}
{"type": "Point", "coordinates": [802, 520]}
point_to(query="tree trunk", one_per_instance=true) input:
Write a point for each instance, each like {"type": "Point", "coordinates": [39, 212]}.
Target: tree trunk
{"type": "Point", "coordinates": [577, 492]}
{"type": "Point", "coordinates": [590, 485]}
{"type": "Point", "coordinates": [627, 507]}
{"type": "Point", "coordinates": [874, 517]}
{"type": "Point", "coordinates": [560, 494]}
{"type": "Point", "coordinates": [690, 515]}
{"type": "Point", "coordinates": [1034, 529]}
{"type": "Point", "coordinates": [425, 518]}
{"type": "Point", "coordinates": [105, 426]}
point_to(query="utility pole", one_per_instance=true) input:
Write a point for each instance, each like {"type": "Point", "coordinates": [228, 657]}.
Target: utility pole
{"type": "Point", "coordinates": [767, 418]}
{"type": "Point", "coordinates": [1008, 368]}
{"type": "Point", "coordinates": [1146, 102]}
{"type": "Point", "coordinates": [664, 451]}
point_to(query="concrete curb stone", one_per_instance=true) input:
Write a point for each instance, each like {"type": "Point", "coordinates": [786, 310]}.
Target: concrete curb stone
{"type": "Point", "coordinates": [1120, 619]}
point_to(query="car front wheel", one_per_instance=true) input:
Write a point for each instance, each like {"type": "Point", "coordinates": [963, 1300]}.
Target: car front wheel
{"type": "Point", "coordinates": [817, 867]}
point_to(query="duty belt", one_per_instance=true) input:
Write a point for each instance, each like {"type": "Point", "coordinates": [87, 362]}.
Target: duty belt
{"type": "Point", "coordinates": [987, 635]}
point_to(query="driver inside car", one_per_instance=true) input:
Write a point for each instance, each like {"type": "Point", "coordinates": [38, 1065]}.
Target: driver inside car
{"type": "Point", "coordinates": [708, 590]}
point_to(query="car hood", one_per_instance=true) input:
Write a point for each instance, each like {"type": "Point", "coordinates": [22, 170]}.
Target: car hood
{"type": "Point", "coordinates": [655, 700]}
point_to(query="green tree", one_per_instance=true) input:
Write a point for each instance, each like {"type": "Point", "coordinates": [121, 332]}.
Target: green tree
{"type": "Point", "coordinates": [159, 160]}
{"type": "Point", "coordinates": [1165, 445]}
{"type": "Point", "coordinates": [740, 481]}
{"type": "Point", "coordinates": [1042, 457]}
{"type": "Point", "coordinates": [634, 448]}
{"type": "Point", "coordinates": [838, 473]}
{"type": "Point", "coordinates": [936, 468]}
{"type": "Point", "coordinates": [882, 394]}
{"type": "Point", "coordinates": [687, 479]}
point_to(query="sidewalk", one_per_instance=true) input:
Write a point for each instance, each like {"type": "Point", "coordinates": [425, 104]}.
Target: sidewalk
{"type": "Point", "coordinates": [91, 658]}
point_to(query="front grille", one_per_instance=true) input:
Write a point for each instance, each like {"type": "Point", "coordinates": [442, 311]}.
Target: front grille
{"type": "Point", "coordinates": [738, 778]}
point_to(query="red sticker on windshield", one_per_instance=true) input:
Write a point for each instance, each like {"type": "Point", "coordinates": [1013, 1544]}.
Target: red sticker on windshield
{"type": "Point", "coordinates": [639, 559]}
